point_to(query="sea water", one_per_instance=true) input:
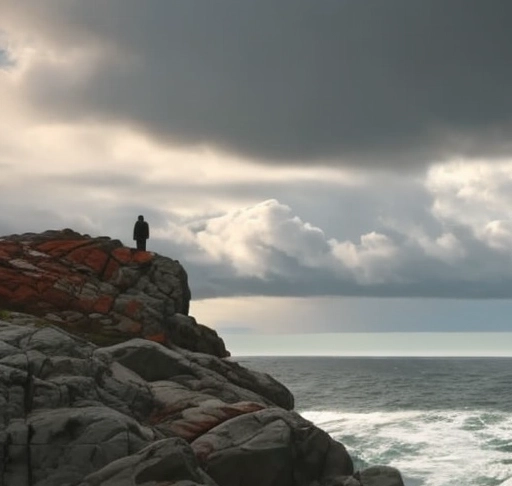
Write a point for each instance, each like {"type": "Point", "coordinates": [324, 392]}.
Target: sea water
{"type": "Point", "coordinates": [440, 421]}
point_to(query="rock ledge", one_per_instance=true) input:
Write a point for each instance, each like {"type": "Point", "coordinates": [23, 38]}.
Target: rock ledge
{"type": "Point", "coordinates": [100, 289]}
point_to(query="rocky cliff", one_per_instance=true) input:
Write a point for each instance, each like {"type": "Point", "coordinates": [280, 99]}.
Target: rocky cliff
{"type": "Point", "coordinates": [99, 289]}
{"type": "Point", "coordinates": [105, 381]}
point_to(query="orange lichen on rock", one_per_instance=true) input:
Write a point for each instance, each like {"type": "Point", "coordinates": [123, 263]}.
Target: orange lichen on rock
{"type": "Point", "coordinates": [132, 307]}
{"type": "Point", "coordinates": [8, 251]}
{"type": "Point", "coordinates": [84, 305]}
{"type": "Point", "coordinates": [44, 284]}
{"type": "Point", "coordinates": [9, 279]}
{"type": "Point", "coordinates": [92, 257]}
{"type": "Point", "coordinates": [157, 338]}
{"type": "Point", "coordinates": [23, 293]}
{"type": "Point", "coordinates": [5, 294]}
{"type": "Point", "coordinates": [103, 304]}
{"type": "Point", "coordinates": [99, 284]}
{"type": "Point", "coordinates": [56, 297]}
{"type": "Point", "coordinates": [60, 247]}
{"type": "Point", "coordinates": [123, 255]}
{"type": "Point", "coordinates": [127, 255]}
{"type": "Point", "coordinates": [54, 267]}
{"type": "Point", "coordinates": [198, 420]}
{"type": "Point", "coordinates": [142, 257]}
{"type": "Point", "coordinates": [111, 269]}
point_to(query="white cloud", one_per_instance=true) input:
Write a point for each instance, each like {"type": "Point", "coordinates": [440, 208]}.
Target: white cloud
{"type": "Point", "coordinates": [250, 239]}
{"type": "Point", "coordinates": [476, 195]}
{"type": "Point", "coordinates": [447, 247]}
{"type": "Point", "coordinates": [372, 261]}
{"type": "Point", "coordinates": [498, 235]}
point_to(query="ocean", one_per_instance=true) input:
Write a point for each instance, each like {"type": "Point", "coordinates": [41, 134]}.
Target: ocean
{"type": "Point", "coordinates": [440, 421]}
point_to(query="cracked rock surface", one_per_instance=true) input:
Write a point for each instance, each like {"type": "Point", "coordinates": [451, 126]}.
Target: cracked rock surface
{"type": "Point", "coordinates": [106, 381]}
{"type": "Point", "coordinates": [71, 411]}
{"type": "Point", "coordinates": [100, 289]}
{"type": "Point", "coordinates": [144, 414]}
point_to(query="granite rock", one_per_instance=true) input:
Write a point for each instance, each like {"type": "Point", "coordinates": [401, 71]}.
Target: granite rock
{"type": "Point", "coordinates": [100, 289]}
{"type": "Point", "coordinates": [105, 380]}
{"type": "Point", "coordinates": [69, 408]}
{"type": "Point", "coordinates": [381, 476]}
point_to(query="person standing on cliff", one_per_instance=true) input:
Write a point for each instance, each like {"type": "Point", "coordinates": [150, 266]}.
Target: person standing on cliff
{"type": "Point", "coordinates": [141, 233]}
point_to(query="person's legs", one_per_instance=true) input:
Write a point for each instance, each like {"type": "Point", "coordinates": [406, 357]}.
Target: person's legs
{"type": "Point", "coordinates": [141, 245]}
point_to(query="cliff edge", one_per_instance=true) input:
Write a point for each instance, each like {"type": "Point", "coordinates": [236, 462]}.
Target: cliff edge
{"type": "Point", "coordinates": [99, 289]}
{"type": "Point", "coordinates": [106, 381]}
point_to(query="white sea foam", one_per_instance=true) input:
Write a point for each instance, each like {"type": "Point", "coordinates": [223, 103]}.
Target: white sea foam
{"type": "Point", "coordinates": [430, 448]}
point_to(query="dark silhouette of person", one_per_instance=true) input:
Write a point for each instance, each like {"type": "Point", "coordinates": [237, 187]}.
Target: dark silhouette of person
{"type": "Point", "coordinates": [141, 233]}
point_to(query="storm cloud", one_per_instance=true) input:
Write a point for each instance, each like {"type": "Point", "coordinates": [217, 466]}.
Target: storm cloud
{"type": "Point", "coordinates": [371, 83]}
{"type": "Point", "coordinates": [266, 249]}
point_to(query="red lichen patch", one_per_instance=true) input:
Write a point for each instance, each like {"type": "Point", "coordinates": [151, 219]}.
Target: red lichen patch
{"type": "Point", "coordinates": [5, 295]}
{"type": "Point", "coordinates": [131, 308]}
{"type": "Point", "coordinates": [78, 255]}
{"type": "Point", "coordinates": [142, 257]}
{"type": "Point", "coordinates": [76, 280]}
{"type": "Point", "coordinates": [10, 279]}
{"type": "Point", "coordinates": [53, 267]}
{"type": "Point", "coordinates": [58, 298]}
{"type": "Point", "coordinates": [9, 250]}
{"type": "Point", "coordinates": [166, 413]}
{"type": "Point", "coordinates": [84, 305]}
{"type": "Point", "coordinates": [103, 304]}
{"type": "Point", "coordinates": [122, 255]}
{"type": "Point", "coordinates": [96, 259]}
{"type": "Point", "coordinates": [23, 293]}
{"type": "Point", "coordinates": [45, 283]}
{"type": "Point", "coordinates": [127, 255]}
{"type": "Point", "coordinates": [204, 419]}
{"type": "Point", "coordinates": [110, 270]}
{"type": "Point", "coordinates": [248, 407]}
{"type": "Point", "coordinates": [58, 248]}
{"type": "Point", "coordinates": [157, 338]}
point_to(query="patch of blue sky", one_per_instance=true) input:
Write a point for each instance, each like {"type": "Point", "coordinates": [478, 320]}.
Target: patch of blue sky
{"type": "Point", "coordinates": [6, 60]}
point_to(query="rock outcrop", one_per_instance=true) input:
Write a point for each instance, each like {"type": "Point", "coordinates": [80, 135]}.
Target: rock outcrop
{"type": "Point", "coordinates": [101, 290]}
{"type": "Point", "coordinates": [131, 409]}
{"type": "Point", "coordinates": [70, 409]}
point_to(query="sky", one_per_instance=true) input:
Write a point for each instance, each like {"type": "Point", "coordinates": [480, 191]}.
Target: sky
{"type": "Point", "coordinates": [334, 166]}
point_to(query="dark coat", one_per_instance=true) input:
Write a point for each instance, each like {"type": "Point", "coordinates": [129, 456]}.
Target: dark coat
{"type": "Point", "coordinates": [141, 230]}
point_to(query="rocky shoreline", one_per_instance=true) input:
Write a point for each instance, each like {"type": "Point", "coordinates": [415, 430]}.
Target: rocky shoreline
{"type": "Point", "coordinates": [106, 381]}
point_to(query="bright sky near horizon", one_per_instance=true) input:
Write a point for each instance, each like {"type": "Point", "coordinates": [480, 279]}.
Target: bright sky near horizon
{"type": "Point", "coordinates": [316, 166]}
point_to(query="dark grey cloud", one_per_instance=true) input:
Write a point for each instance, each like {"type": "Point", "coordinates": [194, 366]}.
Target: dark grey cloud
{"type": "Point", "coordinates": [379, 83]}
{"type": "Point", "coordinates": [217, 281]}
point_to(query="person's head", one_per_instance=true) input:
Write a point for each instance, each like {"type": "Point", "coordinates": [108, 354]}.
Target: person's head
{"type": "Point", "coordinates": [141, 218]}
